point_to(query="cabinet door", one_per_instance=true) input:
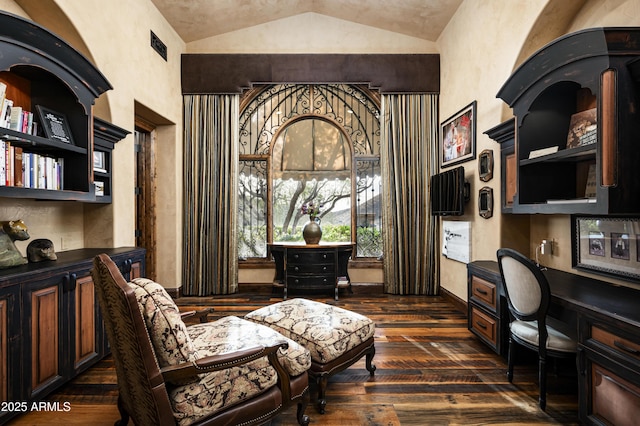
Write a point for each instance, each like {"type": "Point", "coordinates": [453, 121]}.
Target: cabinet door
{"type": "Point", "coordinates": [43, 303]}
{"type": "Point", "coordinates": [86, 335]}
{"type": "Point", "coordinates": [9, 344]}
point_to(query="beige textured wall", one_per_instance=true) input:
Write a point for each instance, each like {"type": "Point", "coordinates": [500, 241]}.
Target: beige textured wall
{"type": "Point", "coordinates": [478, 50]}
{"type": "Point", "coordinates": [311, 33]}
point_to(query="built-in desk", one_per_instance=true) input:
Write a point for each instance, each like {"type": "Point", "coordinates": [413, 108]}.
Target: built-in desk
{"type": "Point", "coordinates": [312, 267]}
{"type": "Point", "coordinates": [607, 318]}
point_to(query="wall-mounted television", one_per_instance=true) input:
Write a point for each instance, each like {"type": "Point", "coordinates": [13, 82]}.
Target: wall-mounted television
{"type": "Point", "coordinates": [449, 192]}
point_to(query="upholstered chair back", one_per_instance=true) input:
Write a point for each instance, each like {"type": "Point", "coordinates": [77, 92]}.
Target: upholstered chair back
{"type": "Point", "coordinates": [141, 386]}
{"type": "Point", "coordinates": [522, 286]}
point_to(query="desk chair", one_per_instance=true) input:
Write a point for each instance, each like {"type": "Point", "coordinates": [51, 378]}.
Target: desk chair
{"type": "Point", "coordinates": [528, 296]}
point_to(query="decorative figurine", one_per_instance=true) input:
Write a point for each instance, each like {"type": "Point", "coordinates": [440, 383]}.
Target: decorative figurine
{"type": "Point", "coordinates": [41, 249]}
{"type": "Point", "coordinates": [14, 230]}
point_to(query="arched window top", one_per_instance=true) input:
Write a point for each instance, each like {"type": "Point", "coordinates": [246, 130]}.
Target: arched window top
{"type": "Point", "coordinates": [348, 107]}
{"type": "Point", "coordinates": [311, 145]}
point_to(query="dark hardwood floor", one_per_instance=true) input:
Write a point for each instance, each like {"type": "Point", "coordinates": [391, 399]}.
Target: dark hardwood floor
{"type": "Point", "coordinates": [430, 371]}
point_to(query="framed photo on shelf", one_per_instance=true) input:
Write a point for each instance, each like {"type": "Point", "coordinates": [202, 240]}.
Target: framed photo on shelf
{"type": "Point", "coordinates": [98, 162]}
{"type": "Point", "coordinates": [606, 245]}
{"type": "Point", "coordinates": [54, 125]}
{"type": "Point", "coordinates": [458, 137]}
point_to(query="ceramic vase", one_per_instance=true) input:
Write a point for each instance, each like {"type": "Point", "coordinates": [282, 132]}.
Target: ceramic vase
{"type": "Point", "coordinates": [312, 232]}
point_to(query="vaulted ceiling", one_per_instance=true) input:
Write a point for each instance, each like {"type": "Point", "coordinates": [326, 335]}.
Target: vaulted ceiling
{"type": "Point", "coordinates": [199, 19]}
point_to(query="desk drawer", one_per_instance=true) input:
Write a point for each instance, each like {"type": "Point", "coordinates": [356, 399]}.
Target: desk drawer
{"type": "Point", "coordinates": [484, 325]}
{"type": "Point", "coordinates": [616, 343]}
{"type": "Point", "coordinates": [310, 256]}
{"type": "Point", "coordinates": [310, 268]}
{"type": "Point", "coordinates": [483, 291]}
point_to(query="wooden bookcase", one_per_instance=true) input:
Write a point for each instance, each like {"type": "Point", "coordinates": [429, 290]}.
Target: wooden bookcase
{"type": "Point", "coordinates": [42, 70]}
{"type": "Point", "coordinates": [590, 69]}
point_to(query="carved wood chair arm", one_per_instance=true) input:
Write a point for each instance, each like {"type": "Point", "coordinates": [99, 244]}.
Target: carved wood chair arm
{"type": "Point", "coordinates": [212, 363]}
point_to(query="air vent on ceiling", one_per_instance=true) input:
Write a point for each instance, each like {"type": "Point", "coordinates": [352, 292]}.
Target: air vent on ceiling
{"type": "Point", "coordinates": [158, 46]}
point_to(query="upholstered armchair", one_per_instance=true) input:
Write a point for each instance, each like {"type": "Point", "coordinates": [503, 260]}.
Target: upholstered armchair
{"type": "Point", "coordinates": [227, 372]}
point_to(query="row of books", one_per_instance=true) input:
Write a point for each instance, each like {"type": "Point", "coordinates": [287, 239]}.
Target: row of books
{"type": "Point", "coordinates": [28, 169]}
{"type": "Point", "coordinates": [14, 117]}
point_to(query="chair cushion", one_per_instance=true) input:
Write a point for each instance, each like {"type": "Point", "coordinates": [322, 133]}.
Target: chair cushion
{"type": "Point", "coordinates": [557, 340]}
{"type": "Point", "coordinates": [231, 333]}
{"type": "Point", "coordinates": [222, 389]}
{"type": "Point", "coordinates": [326, 331]}
{"type": "Point", "coordinates": [167, 331]}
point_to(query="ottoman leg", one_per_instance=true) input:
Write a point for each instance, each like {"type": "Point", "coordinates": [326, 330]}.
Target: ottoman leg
{"type": "Point", "coordinates": [369, 358]}
{"type": "Point", "coordinates": [322, 381]}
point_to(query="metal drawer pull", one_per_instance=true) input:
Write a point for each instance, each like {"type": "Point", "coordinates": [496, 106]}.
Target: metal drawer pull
{"type": "Point", "coordinates": [625, 348]}
{"type": "Point", "coordinates": [481, 325]}
{"type": "Point", "coordinates": [484, 292]}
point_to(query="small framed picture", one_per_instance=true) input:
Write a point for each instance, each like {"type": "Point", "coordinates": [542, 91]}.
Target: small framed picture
{"type": "Point", "coordinates": [98, 162]}
{"type": "Point", "coordinates": [458, 137]}
{"type": "Point", "coordinates": [55, 125]}
{"type": "Point", "coordinates": [607, 245]}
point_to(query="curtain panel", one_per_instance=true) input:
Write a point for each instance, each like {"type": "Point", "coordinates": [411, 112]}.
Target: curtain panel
{"type": "Point", "coordinates": [409, 158]}
{"type": "Point", "coordinates": [210, 262]}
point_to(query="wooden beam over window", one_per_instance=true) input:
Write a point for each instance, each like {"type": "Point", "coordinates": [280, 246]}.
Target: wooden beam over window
{"type": "Point", "coordinates": [233, 73]}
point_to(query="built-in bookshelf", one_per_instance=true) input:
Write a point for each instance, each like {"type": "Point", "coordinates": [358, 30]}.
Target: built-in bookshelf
{"type": "Point", "coordinates": [576, 111]}
{"type": "Point", "coordinates": [47, 92]}
{"type": "Point", "coordinates": [105, 136]}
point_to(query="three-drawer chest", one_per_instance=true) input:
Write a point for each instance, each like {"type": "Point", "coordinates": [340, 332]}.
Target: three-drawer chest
{"type": "Point", "coordinates": [312, 267]}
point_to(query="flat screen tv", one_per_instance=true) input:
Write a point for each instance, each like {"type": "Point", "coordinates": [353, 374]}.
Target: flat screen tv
{"type": "Point", "coordinates": [449, 193]}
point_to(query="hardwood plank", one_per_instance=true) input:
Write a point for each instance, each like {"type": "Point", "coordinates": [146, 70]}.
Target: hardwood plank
{"type": "Point", "coordinates": [430, 370]}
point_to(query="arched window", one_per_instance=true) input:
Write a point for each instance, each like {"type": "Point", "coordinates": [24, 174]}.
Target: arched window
{"type": "Point", "coordinates": [309, 143]}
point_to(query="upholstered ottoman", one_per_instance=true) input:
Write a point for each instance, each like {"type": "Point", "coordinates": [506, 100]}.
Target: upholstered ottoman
{"type": "Point", "coordinates": [335, 337]}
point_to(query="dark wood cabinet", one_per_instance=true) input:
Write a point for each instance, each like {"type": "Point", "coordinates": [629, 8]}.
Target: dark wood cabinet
{"type": "Point", "coordinates": [607, 321]}
{"type": "Point", "coordinates": [40, 70]}
{"type": "Point", "coordinates": [50, 321]}
{"type": "Point", "coordinates": [610, 376]}
{"type": "Point", "coordinates": [597, 71]}
{"type": "Point", "coordinates": [316, 267]}
{"type": "Point", "coordinates": [487, 318]}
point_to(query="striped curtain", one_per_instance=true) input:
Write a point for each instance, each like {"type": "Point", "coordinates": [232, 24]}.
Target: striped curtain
{"type": "Point", "coordinates": [409, 158]}
{"type": "Point", "coordinates": [210, 262]}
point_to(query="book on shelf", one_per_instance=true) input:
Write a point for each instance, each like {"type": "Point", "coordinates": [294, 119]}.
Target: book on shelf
{"type": "Point", "coordinates": [583, 128]}
{"type": "Point", "coordinates": [99, 188]}
{"type": "Point", "coordinates": [17, 167]}
{"type": "Point", "coordinates": [542, 152]}
{"type": "Point", "coordinates": [590, 188]}
{"type": "Point", "coordinates": [3, 175]}
{"type": "Point", "coordinates": [5, 113]}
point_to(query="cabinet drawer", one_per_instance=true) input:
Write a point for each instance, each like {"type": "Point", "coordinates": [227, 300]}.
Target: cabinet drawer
{"type": "Point", "coordinates": [313, 281]}
{"type": "Point", "coordinates": [484, 325]}
{"type": "Point", "coordinates": [483, 291]}
{"type": "Point", "coordinates": [309, 256]}
{"type": "Point", "coordinates": [310, 268]}
{"type": "Point", "coordinates": [614, 399]}
{"type": "Point", "coordinates": [616, 343]}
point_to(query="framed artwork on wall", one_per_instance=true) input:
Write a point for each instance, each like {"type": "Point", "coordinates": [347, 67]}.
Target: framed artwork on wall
{"type": "Point", "coordinates": [458, 137]}
{"type": "Point", "coordinates": [607, 245]}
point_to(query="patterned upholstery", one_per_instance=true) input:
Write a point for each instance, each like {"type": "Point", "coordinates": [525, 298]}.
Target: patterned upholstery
{"type": "Point", "coordinates": [326, 331]}
{"type": "Point", "coordinates": [230, 334]}
{"type": "Point", "coordinates": [175, 343]}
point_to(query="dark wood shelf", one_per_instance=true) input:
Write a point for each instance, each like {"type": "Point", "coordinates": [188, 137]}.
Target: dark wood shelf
{"type": "Point", "coordinates": [38, 143]}
{"type": "Point", "coordinates": [580, 153]}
